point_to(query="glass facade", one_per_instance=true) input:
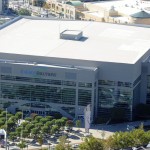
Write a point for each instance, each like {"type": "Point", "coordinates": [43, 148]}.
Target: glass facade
{"type": "Point", "coordinates": [69, 110]}
{"type": "Point", "coordinates": [37, 93]}
{"type": "Point", "coordinates": [114, 83]}
{"type": "Point", "coordinates": [148, 90]}
{"type": "Point", "coordinates": [84, 97]}
{"type": "Point", "coordinates": [86, 85]}
{"type": "Point", "coordinates": [15, 87]}
{"type": "Point", "coordinates": [113, 94]}
{"type": "Point", "coordinates": [43, 90]}
{"type": "Point", "coordinates": [109, 97]}
{"type": "Point", "coordinates": [33, 80]}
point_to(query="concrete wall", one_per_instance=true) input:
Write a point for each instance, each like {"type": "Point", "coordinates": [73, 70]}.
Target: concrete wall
{"type": "Point", "coordinates": [141, 21]}
{"type": "Point", "coordinates": [107, 70]}
{"type": "Point", "coordinates": [89, 17]}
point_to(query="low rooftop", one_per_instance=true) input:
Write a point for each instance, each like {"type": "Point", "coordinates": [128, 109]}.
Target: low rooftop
{"type": "Point", "coordinates": [103, 42]}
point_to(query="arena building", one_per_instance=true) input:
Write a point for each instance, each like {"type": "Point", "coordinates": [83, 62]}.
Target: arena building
{"type": "Point", "coordinates": [62, 66]}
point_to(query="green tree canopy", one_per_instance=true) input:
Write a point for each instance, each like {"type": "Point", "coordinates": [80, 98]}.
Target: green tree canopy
{"type": "Point", "coordinates": [24, 12]}
{"type": "Point", "coordinates": [35, 132]}
{"type": "Point", "coordinates": [62, 144]}
{"type": "Point", "coordinates": [45, 129]}
{"type": "Point", "coordinates": [43, 120]}
{"type": "Point", "coordinates": [12, 135]}
{"type": "Point", "coordinates": [13, 118]}
{"type": "Point", "coordinates": [78, 123]}
{"type": "Point", "coordinates": [54, 129]}
{"type": "Point", "coordinates": [22, 145]}
{"type": "Point", "coordinates": [2, 122]}
{"type": "Point", "coordinates": [18, 115]}
{"type": "Point", "coordinates": [92, 143]}
{"type": "Point", "coordinates": [49, 124]}
{"type": "Point", "coordinates": [29, 127]}
{"type": "Point", "coordinates": [49, 118]}
{"type": "Point", "coordinates": [40, 140]}
{"type": "Point", "coordinates": [10, 125]}
{"type": "Point", "coordinates": [38, 118]}
{"type": "Point", "coordinates": [28, 119]}
{"type": "Point", "coordinates": [69, 124]}
{"type": "Point", "coordinates": [33, 115]}
{"type": "Point", "coordinates": [134, 138]}
{"type": "Point", "coordinates": [25, 133]}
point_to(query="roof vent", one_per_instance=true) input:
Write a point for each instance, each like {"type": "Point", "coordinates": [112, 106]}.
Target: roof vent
{"type": "Point", "coordinates": [71, 35]}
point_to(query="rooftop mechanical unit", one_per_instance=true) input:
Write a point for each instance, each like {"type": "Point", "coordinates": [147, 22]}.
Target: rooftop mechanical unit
{"type": "Point", "coordinates": [71, 35]}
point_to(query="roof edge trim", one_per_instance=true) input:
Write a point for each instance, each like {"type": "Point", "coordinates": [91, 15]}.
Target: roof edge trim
{"type": "Point", "coordinates": [10, 22]}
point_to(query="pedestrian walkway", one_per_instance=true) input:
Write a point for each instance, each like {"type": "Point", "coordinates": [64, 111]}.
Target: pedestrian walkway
{"type": "Point", "coordinates": [120, 126]}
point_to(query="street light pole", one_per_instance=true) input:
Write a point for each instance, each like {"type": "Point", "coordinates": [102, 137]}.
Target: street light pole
{"type": "Point", "coordinates": [6, 131]}
{"type": "Point", "coordinates": [49, 144]}
{"type": "Point", "coordinates": [22, 126]}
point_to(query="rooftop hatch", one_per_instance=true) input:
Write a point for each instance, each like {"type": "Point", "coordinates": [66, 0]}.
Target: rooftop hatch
{"type": "Point", "coordinates": [71, 35]}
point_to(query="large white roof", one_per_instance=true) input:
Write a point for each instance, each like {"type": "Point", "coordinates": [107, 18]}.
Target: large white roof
{"type": "Point", "coordinates": [102, 42]}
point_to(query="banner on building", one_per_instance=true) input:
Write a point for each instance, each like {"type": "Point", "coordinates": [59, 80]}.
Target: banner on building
{"type": "Point", "coordinates": [87, 117]}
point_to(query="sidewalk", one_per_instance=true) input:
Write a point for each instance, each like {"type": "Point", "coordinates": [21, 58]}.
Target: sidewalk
{"type": "Point", "coordinates": [120, 126]}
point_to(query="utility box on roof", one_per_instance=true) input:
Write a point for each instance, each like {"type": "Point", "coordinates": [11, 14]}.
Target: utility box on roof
{"type": "Point", "coordinates": [71, 35]}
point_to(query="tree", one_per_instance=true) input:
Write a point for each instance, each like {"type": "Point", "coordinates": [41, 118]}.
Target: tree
{"type": "Point", "coordinates": [2, 122]}
{"type": "Point", "coordinates": [45, 129]}
{"type": "Point", "coordinates": [54, 129]}
{"type": "Point", "coordinates": [92, 143]}
{"type": "Point", "coordinates": [64, 120]}
{"type": "Point", "coordinates": [13, 118]}
{"type": "Point", "coordinates": [9, 116]}
{"type": "Point", "coordinates": [49, 118]}
{"type": "Point", "coordinates": [22, 145]}
{"type": "Point", "coordinates": [25, 12]}
{"type": "Point", "coordinates": [18, 115]}
{"type": "Point", "coordinates": [38, 125]}
{"type": "Point", "coordinates": [25, 133]}
{"type": "Point", "coordinates": [18, 131]}
{"type": "Point", "coordinates": [28, 119]}
{"type": "Point", "coordinates": [38, 118]}
{"type": "Point", "coordinates": [43, 120]}
{"type": "Point", "coordinates": [12, 136]}
{"type": "Point", "coordinates": [40, 140]}
{"type": "Point", "coordinates": [62, 144]}
{"type": "Point", "coordinates": [23, 124]}
{"type": "Point", "coordinates": [33, 115]}
{"type": "Point", "coordinates": [49, 124]}
{"type": "Point", "coordinates": [69, 124]}
{"type": "Point", "coordinates": [29, 127]}
{"type": "Point", "coordinates": [35, 132]}
{"type": "Point", "coordinates": [3, 113]}
{"type": "Point", "coordinates": [10, 125]}
{"type": "Point", "coordinates": [3, 118]}
{"type": "Point", "coordinates": [134, 138]}
{"type": "Point", "coordinates": [78, 123]}
{"type": "Point", "coordinates": [59, 122]}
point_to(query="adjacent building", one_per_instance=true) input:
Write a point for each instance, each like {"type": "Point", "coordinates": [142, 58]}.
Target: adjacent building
{"type": "Point", "coordinates": [129, 12]}
{"type": "Point", "coordinates": [62, 66]}
{"type": "Point", "coordinates": [66, 9]}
